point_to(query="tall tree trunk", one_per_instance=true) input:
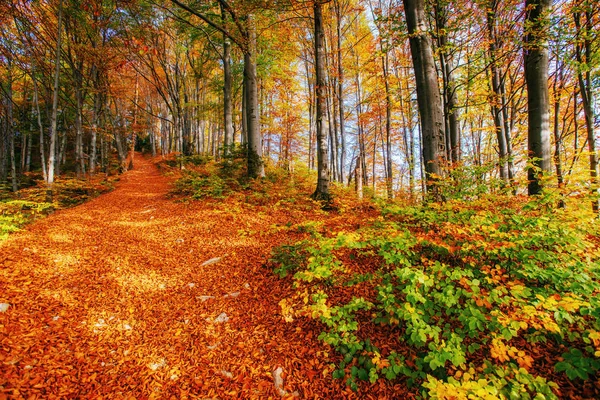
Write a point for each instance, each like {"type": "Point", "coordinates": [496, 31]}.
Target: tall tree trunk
{"type": "Point", "coordinates": [583, 52]}
{"type": "Point", "coordinates": [95, 122]}
{"type": "Point", "coordinates": [388, 126]}
{"type": "Point", "coordinates": [359, 176]}
{"type": "Point", "coordinates": [322, 190]}
{"type": "Point", "coordinates": [41, 128]}
{"type": "Point", "coordinates": [332, 121]}
{"type": "Point", "coordinates": [79, 156]}
{"type": "Point", "coordinates": [255, 164]}
{"type": "Point", "coordinates": [52, 149]}
{"type": "Point", "coordinates": [340, 91]}
{"type": "Point", "coordinates": [29, 147]}
{"type": "Point", "coordinates": [134, 124]}
{"type": "Point", "coordinates": [428, 95]}
{"type": "Point", "coordinates": [536, 79]}
{"type": "Point", "coordinates": [10, 127]}
{"type": "Point", "coordinates": [451, 112]}
{"type": "Point", "coordinates": [309, 86]}
{"type": "Point", "coordinates": [407, 133]}
{"type": "Point", "coordinates": [496, 97]}
{"type": "Point", "coordinates": [227, 88]}
{"type": "Point", "coordinates": [557, 90]}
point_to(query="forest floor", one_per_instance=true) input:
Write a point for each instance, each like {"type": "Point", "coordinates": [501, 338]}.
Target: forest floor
{"type": "Point", "coordinates": [135, 295]}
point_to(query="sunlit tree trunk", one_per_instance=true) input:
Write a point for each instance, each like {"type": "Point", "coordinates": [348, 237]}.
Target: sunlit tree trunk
{"type": "Point", "coordinates": [255, 164]}
{"type": "Point", "coordinates": [95, 120]}
{"type": "Point", "coordinates": [340, 91]}
{"type": "Point", "coordinates": [29, 142]}
{"type": "Point", "coordinates": [496, 97]}
{"type": "Point", "coordinates": [428, 94]}
{"type": "Point", "coordinates": [451, 111]}
{"type": "Point", "coordinates": [10, 131]}
{"type": "Point", "coordinates": [79, 156]}
{"type": "Point", "coordinates": [53, 119]}
{"type": "Point", "coordinates": [583, 52]}
{"type": "Point", "coordinates": [227, 102]}
{"type": "Point", "coordinates": [41, 128]}
{"type": "Point", "coordinates": [322, 190]}
{"type": "Point", "coordinates": [536, 79]}
{"type": "Point", "coordinates": [359, 176]}
{"type": "Point", "coordinates": [134, 124]}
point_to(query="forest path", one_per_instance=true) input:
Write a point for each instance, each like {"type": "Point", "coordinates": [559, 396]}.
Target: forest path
{"type": "Point", "coordinates": [112, 299]}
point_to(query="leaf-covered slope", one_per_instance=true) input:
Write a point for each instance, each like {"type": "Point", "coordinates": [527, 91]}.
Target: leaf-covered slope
{"type": "Point", "coordinates": [111, 298]}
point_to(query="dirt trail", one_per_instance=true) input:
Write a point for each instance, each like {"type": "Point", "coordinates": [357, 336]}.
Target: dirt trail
{"type": "Point", "coordinates": [111, 299]}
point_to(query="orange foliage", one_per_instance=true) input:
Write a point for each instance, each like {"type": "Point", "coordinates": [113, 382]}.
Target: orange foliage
{"type": "Point", "coordinates": [114, 299]}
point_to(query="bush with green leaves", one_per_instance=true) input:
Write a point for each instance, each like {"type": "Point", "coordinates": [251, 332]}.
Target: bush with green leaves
{"type": "Point", "coordinates": [16, 213]}
{"type": "Point", "coordinates": [458, 284]}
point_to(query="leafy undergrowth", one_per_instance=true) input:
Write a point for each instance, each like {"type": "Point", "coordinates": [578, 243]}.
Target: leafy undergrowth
{"type": "Point", "coordinates": [29, 204]}
{"type": "Point", "coordinates": [495, 298]}
{"type": "Point", "coordinates": [280, 191]}
{"type": "Point", "coordinates": [16, 213]}
{"type": "Point", "coordinates": [162, 289]}
{"type": "Point", "coordinates": [135, 294]}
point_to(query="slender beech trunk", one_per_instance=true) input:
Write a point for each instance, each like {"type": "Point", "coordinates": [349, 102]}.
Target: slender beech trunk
{"type": "Point", "coordinates": [428, 94]}
{"type": "Point", "coordinates": [536, 79]}
{"type": "Point", "coordinates": [322, 190]}
{"type": "Point", "coordinates": [309, 86]}
{"type": "Point", "coordinates": [227, 89]}
{"type": "Point", "coordinates": [95, 121]}
{"type": "Point", "coordinates": [332, 125]}
{"type": "Point", "coordinates": [332, 121]}
{"type": "Point", "coordinates": [255, 164]}
{"type": "Point", "coordinates": [451, 111]}
{"type": "Point", "coordinates": [496, 97]}
{"type": "Point", "coordinates": [134, 125]}
{"type": "Point", "coordinates": [359, 177]}
{"type": "Point", "coordinates": [340, 91]}
{"type": "Point", "coordinates": [79, 156]}
{"type": "Point", "coordinates": [388, 125]}
{"type": "Point", "coordinates": [557, 90]}
{"type": "Point", "coordinates": [53, 118]}
{"type": "Point", "coordinates": [407, 134]}
{"type": "Point", "coordinates": [583, 53]}
{"type": "Point", "coordinates": [29, 145]}
{"type": "Point", "coordinates": [41, 128]}
{"type": "Point", "coordinates": [10, 127]}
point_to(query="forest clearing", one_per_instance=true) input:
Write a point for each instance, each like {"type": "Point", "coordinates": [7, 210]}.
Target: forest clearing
{"type": "Point", "coordinates": [337, 199]}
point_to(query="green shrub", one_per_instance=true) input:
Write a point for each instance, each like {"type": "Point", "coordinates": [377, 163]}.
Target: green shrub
{"type": "Point", "coordinates": [458, 283]}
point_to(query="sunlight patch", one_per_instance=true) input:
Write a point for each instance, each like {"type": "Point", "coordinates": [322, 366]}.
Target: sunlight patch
{"type": "Point", "coordinates": [61, 237]}
{"type": "Point", "coordinates": [62, 295]}
{"type": "Point", "coordinates": [64, 263]}
{"type": "Point", "coordinates": [142, 282]}
{"type": "Point", "coordinates": [107, 324]}
{"type": "Point", "coordinates": [136, 224]}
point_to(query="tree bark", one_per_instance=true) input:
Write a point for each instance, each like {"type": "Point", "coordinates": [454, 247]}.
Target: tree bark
{"type": "Point", "coordinates": [227, 103]}
{"type": "Point", "coordinates": [255, 164]}
{"type": "Point", "coordinates": [428, 95]}
{"type": "Point", "coordinates": [340, 91]}
{"type": "Point", "coordinates": [95, 121]}
{"type": "Point", "coordinates": [41, 128]}
{"type": "Point", "coordinates": [10, 127]}
{"type": "Point", "coordinates": [496, 97]}
{"type": "Point", "coordinates": [536, 79]}
{"type": "Point", "coordinates": [451, 112]}
{"type": "Point", "coordinates": [52, 149]}
{"type": "Point", "coordinates": [322, 190]}
{"type": "Point", "coordinates": [583, 52]}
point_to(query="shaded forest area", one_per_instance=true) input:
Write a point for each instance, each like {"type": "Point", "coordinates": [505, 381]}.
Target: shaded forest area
{"type": "Point", "coordinates": [458, 139]}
